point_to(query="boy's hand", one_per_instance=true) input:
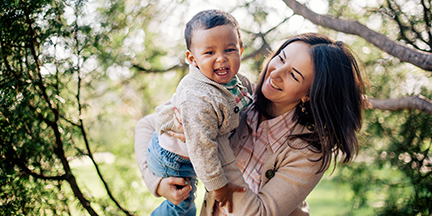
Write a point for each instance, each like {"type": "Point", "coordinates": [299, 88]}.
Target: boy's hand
{"type": "Point", "coordinates": [224, 195]}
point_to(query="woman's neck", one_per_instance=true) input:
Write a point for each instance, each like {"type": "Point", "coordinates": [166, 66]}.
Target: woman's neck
{"type": "Point", "coordinates": [275, 112]}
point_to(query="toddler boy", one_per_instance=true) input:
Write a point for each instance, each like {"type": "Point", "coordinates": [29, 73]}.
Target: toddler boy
{"type": "Point", "coordinates": [210, 98]}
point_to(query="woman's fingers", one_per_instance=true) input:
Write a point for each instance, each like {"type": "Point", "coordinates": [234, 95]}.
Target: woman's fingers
{"type": "Point", "coordinates": [179, 136]}
{"type": "Point", "coordinates": [174, 189]}
{"type": "Point", "coordinates": [177, 181]}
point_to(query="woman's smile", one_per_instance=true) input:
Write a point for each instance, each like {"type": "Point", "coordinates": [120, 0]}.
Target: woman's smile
{"type": "Point", "coordinates": [272, 84]}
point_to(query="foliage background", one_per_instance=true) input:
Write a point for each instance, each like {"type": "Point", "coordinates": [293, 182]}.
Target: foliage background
{"type": "Point", "coordinates": [76, 76]}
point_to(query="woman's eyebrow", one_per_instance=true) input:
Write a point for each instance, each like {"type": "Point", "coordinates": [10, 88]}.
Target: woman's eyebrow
{"type": "Point", "coordinates": [299, 73]}
{"type": "Point", "coordinates": [283, 52]}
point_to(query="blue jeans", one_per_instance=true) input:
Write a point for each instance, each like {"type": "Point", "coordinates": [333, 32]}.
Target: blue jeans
{"type": "Point", "coordinates": [164, 163]}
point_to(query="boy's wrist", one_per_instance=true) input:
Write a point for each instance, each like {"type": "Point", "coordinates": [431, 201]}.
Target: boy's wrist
{"type": "Point", "coordinates": [215, 183]}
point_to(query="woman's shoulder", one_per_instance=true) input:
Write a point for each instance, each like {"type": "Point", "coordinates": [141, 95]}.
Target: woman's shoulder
{"type": "Point", "coordinates": [301, 144]}
{"type": "Point", "coordinates": [296, 152]}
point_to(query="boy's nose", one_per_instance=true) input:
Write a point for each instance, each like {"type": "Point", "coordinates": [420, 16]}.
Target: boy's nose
{"type": "Point", "coordinates": [221, 58]}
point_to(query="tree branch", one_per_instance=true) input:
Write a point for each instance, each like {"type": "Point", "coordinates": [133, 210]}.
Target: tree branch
{"type": "Point", "coordinates": [427, 16]}
{"type": "Point", "coordinates": [416, 57]}
{"type": "Point", "coordinates": [59, 151]}
{"type": "Point", "coordinates": [264, 49]}
{"type": "Point", "coordinates": [152, 70]}
{"type": "Point", "coordinates": [412, 102]}
{"type": "Point", "coordinates": [13, 157]}
{"type": "Point", "coordinates": [81, 122]}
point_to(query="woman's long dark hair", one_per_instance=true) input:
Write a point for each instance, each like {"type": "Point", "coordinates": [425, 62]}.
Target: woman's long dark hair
{"type": "Point", "coordinates": [334, 111]}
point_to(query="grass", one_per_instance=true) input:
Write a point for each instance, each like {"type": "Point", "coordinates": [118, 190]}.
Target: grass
{"type": "Point", "coordinates": [327, 199]}
{"type": "Point", "coordinates": [331, 199]}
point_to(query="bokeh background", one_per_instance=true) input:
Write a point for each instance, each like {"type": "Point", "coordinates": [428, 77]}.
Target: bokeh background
{"type": "Point", "coordinates": [77, 75]}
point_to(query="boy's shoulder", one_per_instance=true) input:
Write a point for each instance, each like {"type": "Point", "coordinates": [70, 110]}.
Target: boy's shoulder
{"type": "Point", "coordinates": [243, 78]}
{"type": "Point", "coordinates": [245, 82]}
{"type": "Point", "coordinates": [196, 81]}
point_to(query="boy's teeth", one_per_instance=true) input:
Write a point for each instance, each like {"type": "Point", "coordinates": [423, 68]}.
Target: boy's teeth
{"type": "Point", "coordinates": [221, 71]}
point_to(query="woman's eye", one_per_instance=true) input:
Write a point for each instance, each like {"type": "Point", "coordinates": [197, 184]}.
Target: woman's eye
{"type": "Point", "coordinates": [294, 77]}
{"type": "Point", "coordinates": [281, 59]}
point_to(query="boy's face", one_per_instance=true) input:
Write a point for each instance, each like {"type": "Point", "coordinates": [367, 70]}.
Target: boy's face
{"type": "Point", "coordinates": [216, 52]}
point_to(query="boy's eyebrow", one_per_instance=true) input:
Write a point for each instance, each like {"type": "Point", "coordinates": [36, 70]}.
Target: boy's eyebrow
{"type": "Point", "coordinates": [298, 73]}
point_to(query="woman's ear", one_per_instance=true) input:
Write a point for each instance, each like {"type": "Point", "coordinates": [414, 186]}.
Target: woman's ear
{"type": "Point", "coordinates": [306, 98]}
{"type": "Point", "coordinates": [191, 58]}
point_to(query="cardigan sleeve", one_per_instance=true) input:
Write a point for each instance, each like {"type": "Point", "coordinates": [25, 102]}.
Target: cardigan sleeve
{"type": "Point", "coordinates": [284, 194]}
{"type": "Point", "coordinates": [201, 127]}
{"type": "Point", "coordinates": [143, 133]}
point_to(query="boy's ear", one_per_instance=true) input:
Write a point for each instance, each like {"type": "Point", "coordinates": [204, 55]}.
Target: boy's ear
{"type": "Point", "coordinates": [191, 58]}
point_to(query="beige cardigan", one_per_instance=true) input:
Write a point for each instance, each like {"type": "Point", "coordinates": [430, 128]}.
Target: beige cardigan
{"type": "Point", "coordinates": [285, 194]}
{"type": "Point", "coordinates": [209, 112]}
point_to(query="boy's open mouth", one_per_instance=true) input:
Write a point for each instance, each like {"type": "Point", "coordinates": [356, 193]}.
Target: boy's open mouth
{"type": "Point", "coordinates": [221, 71]}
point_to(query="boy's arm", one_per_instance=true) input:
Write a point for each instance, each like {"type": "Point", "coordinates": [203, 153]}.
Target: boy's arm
{"type": "Point", "coordinates": [201, 123]}
{"type": "Point", "coordinates": [224, 195]}
{"type": "Point", "coordinates": [144, 131]}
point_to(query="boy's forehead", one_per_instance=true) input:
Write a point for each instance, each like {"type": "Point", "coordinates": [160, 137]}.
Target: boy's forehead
{"type": "Point", "coordinates": [202, 27]}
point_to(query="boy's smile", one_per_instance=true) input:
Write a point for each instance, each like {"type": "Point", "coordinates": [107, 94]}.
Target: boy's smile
{"type": "Point", "coordinates": [216, 52]}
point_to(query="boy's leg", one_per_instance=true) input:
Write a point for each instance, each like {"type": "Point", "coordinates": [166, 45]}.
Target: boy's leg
{"type": "Point", "coordinates": [167, 164]}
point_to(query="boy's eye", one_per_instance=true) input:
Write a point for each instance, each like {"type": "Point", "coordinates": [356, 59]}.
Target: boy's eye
{"type": "Point", "coordinates": [209, 53]}
{"type": "Point", "coordinates": [230, 50]}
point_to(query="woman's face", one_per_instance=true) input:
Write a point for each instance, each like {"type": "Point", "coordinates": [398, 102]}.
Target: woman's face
{"type": "Point", "coordinates": [289, 76]}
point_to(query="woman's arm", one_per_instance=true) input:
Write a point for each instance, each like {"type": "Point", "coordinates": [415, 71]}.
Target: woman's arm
{"type": "Point", "coordinates": [144, 131]}
{"type": "Point", "coordinates": [284, 194]}
{"type": "Point", "coordinates": [295, 177]}
{"type": "Point", "coordinates": [166, 187]}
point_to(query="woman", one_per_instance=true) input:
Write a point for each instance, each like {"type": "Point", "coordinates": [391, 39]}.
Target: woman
{"type": "Point", "coordinates": [307, 110]}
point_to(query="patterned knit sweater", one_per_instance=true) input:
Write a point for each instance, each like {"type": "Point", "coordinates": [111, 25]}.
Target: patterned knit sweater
{"type": "Point", "coordinates": [209, 113]}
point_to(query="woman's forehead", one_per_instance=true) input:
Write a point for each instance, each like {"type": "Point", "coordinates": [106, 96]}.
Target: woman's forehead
{"type": "Point", "coordinates": [300, 57]}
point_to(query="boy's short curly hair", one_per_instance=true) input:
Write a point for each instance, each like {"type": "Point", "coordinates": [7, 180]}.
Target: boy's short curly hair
{"type": "Point", "coordinates": [208, 19]}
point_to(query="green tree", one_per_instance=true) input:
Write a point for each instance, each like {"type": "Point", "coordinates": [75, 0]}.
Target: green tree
{"type": "Point", "coordinates": [76, 75]}
{"type": "Point", "coordinates": [393, 170]}
{"type": "Point", "coordinates": [42, 108]}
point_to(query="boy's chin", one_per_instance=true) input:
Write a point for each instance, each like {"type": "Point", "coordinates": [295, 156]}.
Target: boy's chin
{"type": "Point", "coordinates": [227, 79]}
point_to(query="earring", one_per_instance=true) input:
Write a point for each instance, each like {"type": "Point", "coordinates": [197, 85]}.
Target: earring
{"type": "Point", "coordinates": [303, 108]}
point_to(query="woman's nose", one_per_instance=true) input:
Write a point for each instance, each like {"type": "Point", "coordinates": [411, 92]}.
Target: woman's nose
{"type": "Point", "coordinates": [276, 73]}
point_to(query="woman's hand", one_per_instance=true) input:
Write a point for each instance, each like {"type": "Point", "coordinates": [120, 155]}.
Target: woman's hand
{"type": "Point", "coordinates": [179, 125]}
{"type": "Point", "coordinates": [174, 189]}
